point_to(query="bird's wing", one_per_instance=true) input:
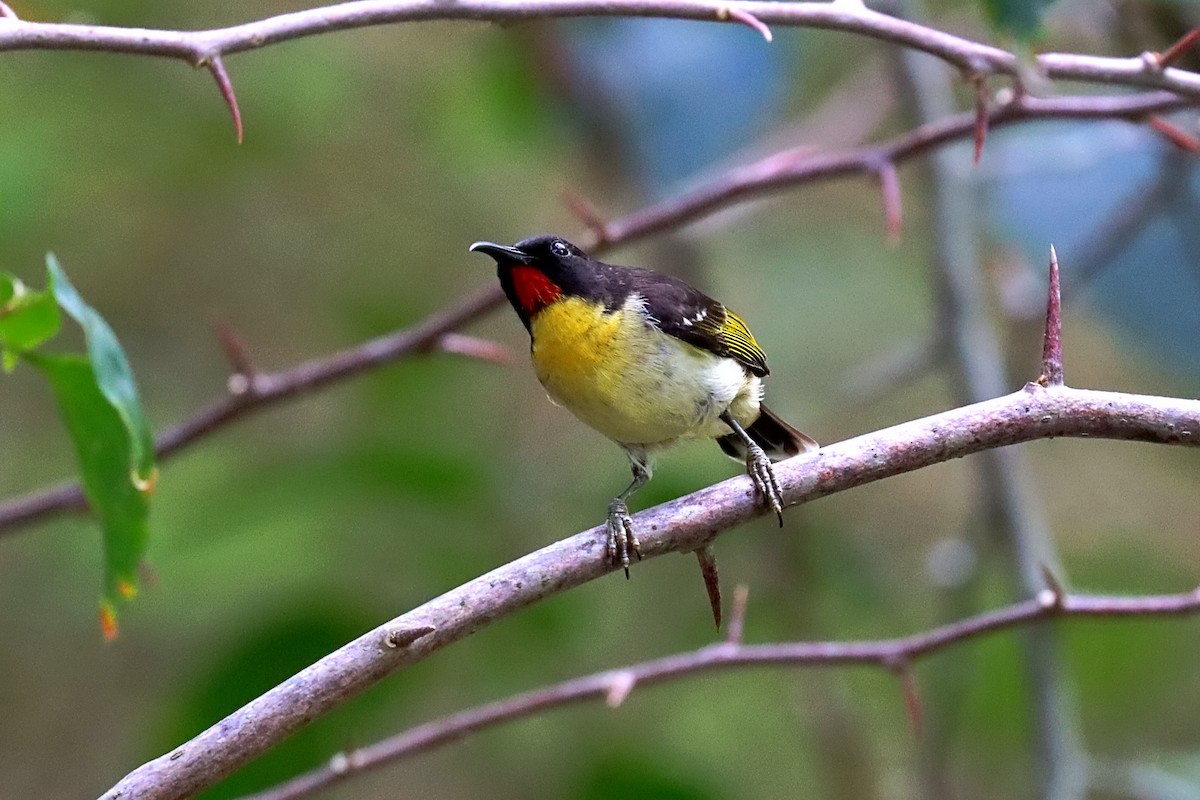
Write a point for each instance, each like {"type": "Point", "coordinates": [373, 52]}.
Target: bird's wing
{"type": "Point", "coordinates": [692, 316]}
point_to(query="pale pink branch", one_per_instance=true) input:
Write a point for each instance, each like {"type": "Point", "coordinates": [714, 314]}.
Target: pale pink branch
{"type": "Point", "coordinates": [474, 347]}
{"type": "Point", "coordinates": [681, 525]}
{"type": "Point", "coordinates": [197, 47]}
{"type": "Point", "coordinates": [894, 654]}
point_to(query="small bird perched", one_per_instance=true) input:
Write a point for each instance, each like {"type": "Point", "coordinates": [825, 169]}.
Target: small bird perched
{"type": "Point", "coordinates": [646, 360]}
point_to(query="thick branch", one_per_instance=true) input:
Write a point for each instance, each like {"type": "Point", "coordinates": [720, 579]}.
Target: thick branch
{"type": "Point", "coordinates": [682, 525]}
{"type": "Point", "coordinates": [975, 58]}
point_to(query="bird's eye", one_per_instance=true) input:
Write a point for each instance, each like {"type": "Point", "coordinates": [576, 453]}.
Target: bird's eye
{"type": "Point", "coordinates": [560, 248]}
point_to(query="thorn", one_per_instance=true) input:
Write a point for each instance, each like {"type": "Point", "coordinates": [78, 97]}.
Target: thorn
{"type": "Point", "coordinates": [746, 18]}
{"type": "Point", "coordinates": [908, 686]}
{"type": "Point", "coordinates": [1051, 598]}
{"type": "Point", "coordinates": [586, 213]}
{"type": "Point", "coordinates": [981, 115]}
{"type": "Point", "coordinates": [217, 67]}
{"type": "Point", "coordinates": [620, 687]}
{"type": "Point", "coordinates": [1052, 359]}
{"type": "Point", "coordinates": [712, 583]}
{"type": "Point", "coordinates": [403, 637]}
{"type": "Point", "coordinates": [474, 347]}
{"type": "Point", "coordinates": [244, 371]}
{"type": "Point", "coordinates": [737, 615]}
{"type": "Point", "coordinates": [1172, 53]}
{"type": "Point", "coordinates": [889, 186]}
{"type": "Point", "coordinates": [1174, 134]}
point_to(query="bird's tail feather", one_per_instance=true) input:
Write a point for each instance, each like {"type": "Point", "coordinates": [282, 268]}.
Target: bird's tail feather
{"type": "Point", "coordinates": [778, 439]}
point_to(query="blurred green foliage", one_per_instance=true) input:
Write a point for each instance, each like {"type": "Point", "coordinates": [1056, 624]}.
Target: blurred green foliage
{"type": "Point", "coordinates": [372, 159]}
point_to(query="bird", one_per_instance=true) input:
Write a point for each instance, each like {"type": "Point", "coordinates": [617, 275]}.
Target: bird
{"type": "Point", "coordinates": [646, 360]}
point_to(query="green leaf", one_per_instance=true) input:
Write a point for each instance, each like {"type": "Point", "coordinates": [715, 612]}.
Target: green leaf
{"type": "Point", "coordinates": [103, 447]}
{"type": "Point", "coordinates": [27, 318]}
{"type": "Point", "coordinates": [113, 374]}
{"type": "Point", "coordinates": [1021, 19]}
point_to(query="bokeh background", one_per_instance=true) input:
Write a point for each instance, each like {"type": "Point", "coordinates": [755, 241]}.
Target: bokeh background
{"type": "Point", "coordinates": [372, 159]}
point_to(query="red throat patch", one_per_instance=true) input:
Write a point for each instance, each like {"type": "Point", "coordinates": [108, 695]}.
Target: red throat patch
{"type": "Point", "coordinates": [534, 290]}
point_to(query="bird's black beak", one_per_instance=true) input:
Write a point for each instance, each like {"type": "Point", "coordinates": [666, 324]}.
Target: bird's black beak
{"type": "Point", "coordinates": [500, 252]}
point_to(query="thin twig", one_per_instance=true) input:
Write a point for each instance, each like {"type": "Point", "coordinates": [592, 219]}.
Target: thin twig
{"type": "Point", "coordinates": [681, 525]}
{"type": "Point", "coordinates": [977, 373]}
{"type": "Point", "coordinates": [270, 389]}
{"type": "Point", "coordinates": [771, 174]}
{"type": "Point", "coordinates": [778, 172]}
{"type": "Point", "coordinates": [886, 653]}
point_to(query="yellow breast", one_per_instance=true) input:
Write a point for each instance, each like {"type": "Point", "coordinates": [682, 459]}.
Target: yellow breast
{"type": "Point", "coordinates": [632, 382]}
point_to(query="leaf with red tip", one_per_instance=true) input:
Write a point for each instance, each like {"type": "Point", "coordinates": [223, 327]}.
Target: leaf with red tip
{"type": "Point", "coordinates": [108, 621]}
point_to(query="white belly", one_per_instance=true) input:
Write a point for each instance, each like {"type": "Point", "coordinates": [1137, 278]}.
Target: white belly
{"type": "Point", "coordinates": [637, 385]}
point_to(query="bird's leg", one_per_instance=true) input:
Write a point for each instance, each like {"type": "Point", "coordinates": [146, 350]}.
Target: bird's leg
{"type": "Point", "coordinates": [758, 467]}
{"type": "Point", "coordinates": [621, 539]}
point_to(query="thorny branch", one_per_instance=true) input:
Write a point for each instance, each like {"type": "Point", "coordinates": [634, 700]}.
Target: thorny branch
{"type": "Point", "coordinates": [739, 185]}
{"type": "Point", "coordinates": [206, 48]}
{"type": "Point", "coordinates": [729, 654]}
{"type": "Point", "coordinates": [682, 525]}
{"type": "Point", "coordinates": [771, 174]}
{"type": "Point", "coordinates": [250, 393]}
{"type": "Point", "coordinates": [689, 524]}
{"type": "Point", "coordinates": [973, 58]}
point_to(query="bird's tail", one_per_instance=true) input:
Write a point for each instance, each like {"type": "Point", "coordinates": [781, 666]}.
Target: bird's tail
{"type": "Point", "coordinates": [778, 439]}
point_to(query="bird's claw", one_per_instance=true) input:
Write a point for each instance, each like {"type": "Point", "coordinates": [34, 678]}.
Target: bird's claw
{"type": "Point", "coordinates": [621, 539]}
{"type": "Point", "coordinates": [758, 467]}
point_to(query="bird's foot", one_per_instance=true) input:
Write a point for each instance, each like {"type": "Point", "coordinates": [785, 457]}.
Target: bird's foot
{"type": "Point", "coordinates": [758, 467]}
{"type": "Point", "coordinates": [621, 539]}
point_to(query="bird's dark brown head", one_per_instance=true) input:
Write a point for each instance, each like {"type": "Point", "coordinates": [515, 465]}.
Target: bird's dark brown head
{"type": "Point", "coordinates": [538, 271]}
